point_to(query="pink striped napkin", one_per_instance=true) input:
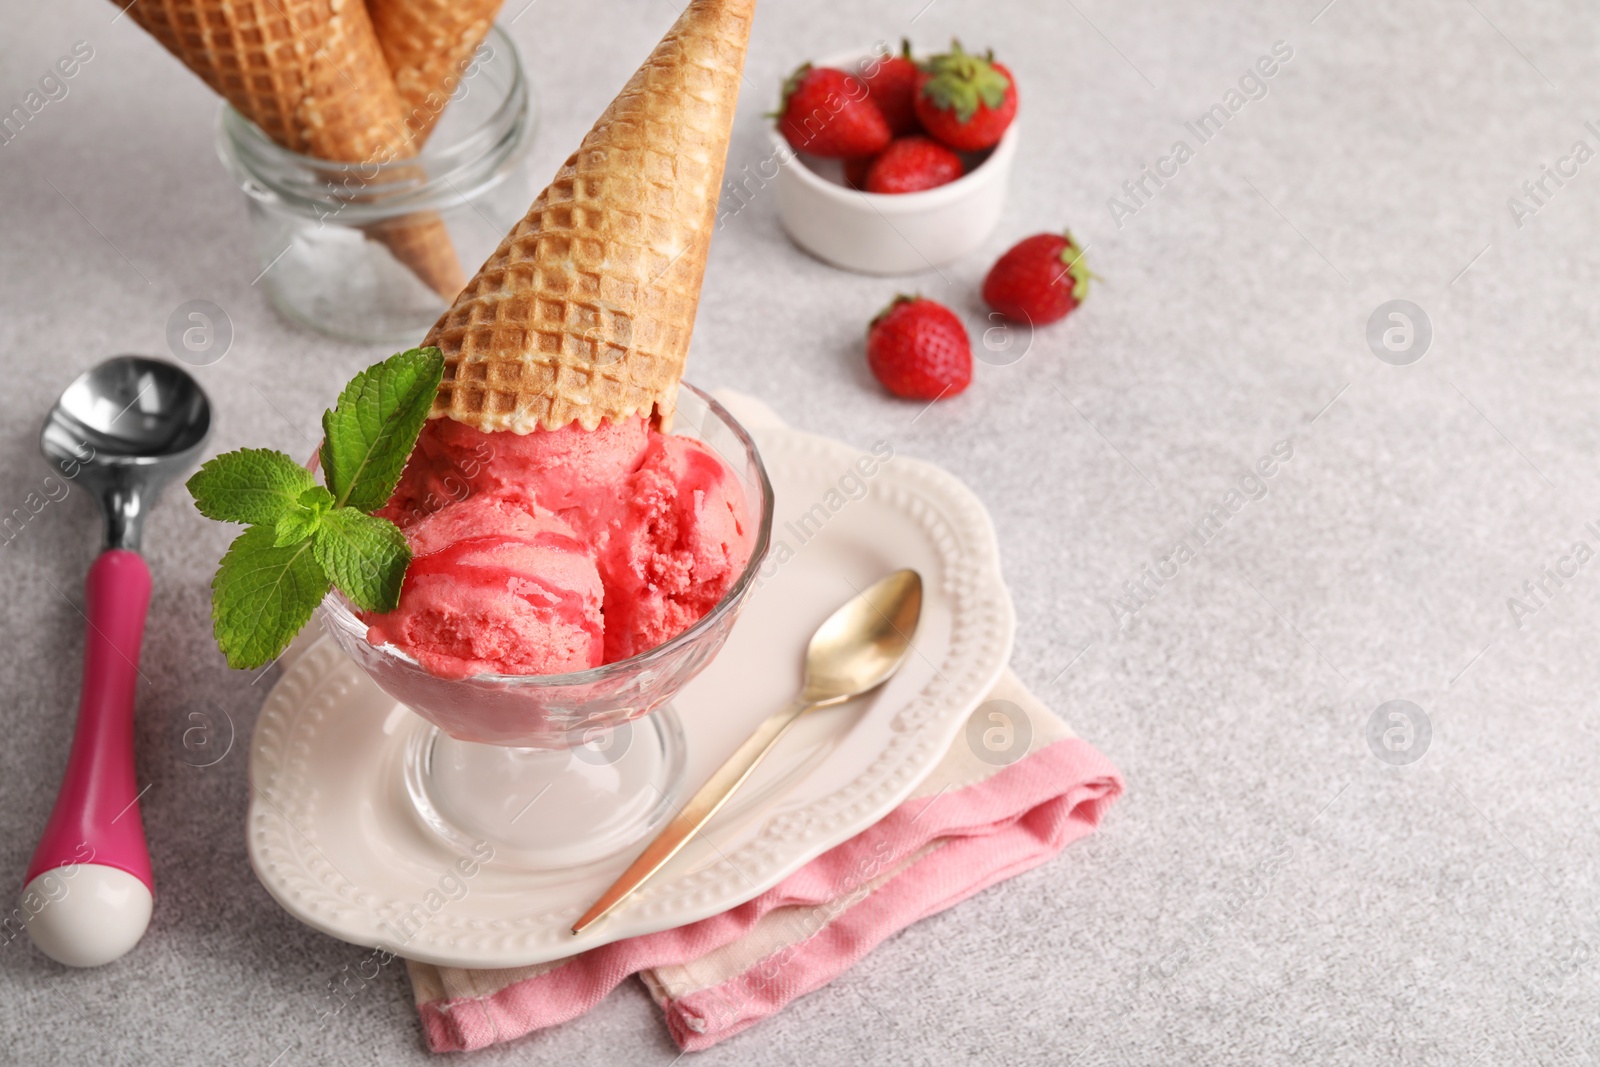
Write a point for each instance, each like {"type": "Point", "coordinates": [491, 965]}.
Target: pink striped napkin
{"type": "Point", "coordinates": [1014, 789]}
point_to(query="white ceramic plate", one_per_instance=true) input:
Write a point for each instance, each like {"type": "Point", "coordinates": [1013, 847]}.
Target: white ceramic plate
{"type": "Point", "coordinates": [333, 838]}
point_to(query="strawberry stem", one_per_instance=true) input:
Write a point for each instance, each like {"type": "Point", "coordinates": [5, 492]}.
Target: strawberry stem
{"type": "Point", "coordinates": [900, 298]}
{"type": "Point", "coordinates": [961, 81]}
{"type": "Point", "coordinates": [1077, 269]}
{"type": "Point", "coordinates": [791, 85]}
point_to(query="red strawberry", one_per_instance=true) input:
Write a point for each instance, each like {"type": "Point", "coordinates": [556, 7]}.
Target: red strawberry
{"type": "Point", "coordinates": [919, 349]}
{"type": "Point", "coordinates": [828, 113]}
{"type": "Point", "coordinates": [1039, 280]}
{"type": "Point", "coordinates": [894, 89]}
{"type": "Point", "coordinates": [966, 101]}
{"type": "Point", "coordinates": [855, 171]}
{"type": "Point", "coordinates": [911, 164]}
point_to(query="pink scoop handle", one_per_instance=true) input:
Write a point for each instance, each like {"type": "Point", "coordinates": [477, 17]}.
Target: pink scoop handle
{"type": "Point", "coordinates": [96, 817]}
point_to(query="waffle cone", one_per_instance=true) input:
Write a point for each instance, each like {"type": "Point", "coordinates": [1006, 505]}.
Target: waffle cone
{"type": "Point", "coordinates": [585, 310]}
{"type": "Point", "coordinates": [428, 44]}
{"type": "Point", "coordinates": [311, 74]}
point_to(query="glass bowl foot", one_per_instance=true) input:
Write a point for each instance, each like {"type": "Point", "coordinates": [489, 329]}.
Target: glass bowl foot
{"type": "Point", "coordinates": [537, 809]}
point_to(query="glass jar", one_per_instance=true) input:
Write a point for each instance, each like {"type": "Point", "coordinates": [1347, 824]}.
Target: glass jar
{"type": "Point", "coordinates": [375, 252]}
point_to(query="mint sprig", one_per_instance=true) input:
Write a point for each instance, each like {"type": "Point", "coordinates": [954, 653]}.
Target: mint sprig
{"type": "Point", "coordinates": [262, 595]}
{"type": "Point", "coordinates": [304, 537]}
{"type": "Point", "coordinates": [364, 556]}
{"type": "Point", "coordinates": [254, 486]}
{"type": "Point", "coordinates": [301, 518]}
{"type": "Point", "coordinates": [367, 437]}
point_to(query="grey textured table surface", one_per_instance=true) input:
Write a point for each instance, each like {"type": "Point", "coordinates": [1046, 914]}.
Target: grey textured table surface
{"type": "Point", "coordinates": [1268, 891]}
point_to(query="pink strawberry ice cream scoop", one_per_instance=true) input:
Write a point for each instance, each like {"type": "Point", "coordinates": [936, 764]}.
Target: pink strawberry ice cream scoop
{"type": "Point", "coordinates": [563, 468]}
{"type": "Point", "coordinates": [496, 588]}
{"type": "Point", "coordinates": [559, 550]}
{"type": "Point", "coordinates": [676, 543]}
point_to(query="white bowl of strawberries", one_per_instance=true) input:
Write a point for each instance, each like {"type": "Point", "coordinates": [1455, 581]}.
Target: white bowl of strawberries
{"type": "Point", "coordinates": [893, 164]}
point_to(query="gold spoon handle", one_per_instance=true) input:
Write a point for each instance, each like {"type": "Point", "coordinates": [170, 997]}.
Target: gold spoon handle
{"type": "Point", "coordinates": [698, 811]}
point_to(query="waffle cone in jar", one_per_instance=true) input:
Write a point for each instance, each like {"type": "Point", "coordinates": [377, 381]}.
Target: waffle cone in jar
{"type": "Point", "coordinates": [428, 45]}
{"type": "Point", "coordinates": [311, 74]}
{"type": "Point", "coordinates": [584, 311]}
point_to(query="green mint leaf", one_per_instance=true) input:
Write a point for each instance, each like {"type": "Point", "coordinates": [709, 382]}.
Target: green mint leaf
{"type": "Point", "coordinates": [303, 516]}
{"type": "Point", "coordinates": [369, 434]}
{"type": "Point", "coordinates": [262, 595]}
{"type": "Point", "coordinates": [365, 556]}
{"type": "Point", "coordinates": [254, 486]}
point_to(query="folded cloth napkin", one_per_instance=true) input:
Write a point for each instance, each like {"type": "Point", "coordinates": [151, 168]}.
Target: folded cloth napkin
{"type": "Point", "coordinates": [1014, 789]}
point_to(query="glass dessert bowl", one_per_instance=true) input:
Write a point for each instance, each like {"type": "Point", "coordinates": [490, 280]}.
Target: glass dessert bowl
{"type": "Point", "coordinates": [557, 770]}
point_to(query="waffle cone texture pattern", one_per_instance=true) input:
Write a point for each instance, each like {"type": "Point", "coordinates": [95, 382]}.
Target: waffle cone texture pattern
{"type": "Point", "coordinates": [427, 44]}
{"type": "Point", "coordinates": [584, 312]}
{"type": "Point", "coordinates": [312, 75]}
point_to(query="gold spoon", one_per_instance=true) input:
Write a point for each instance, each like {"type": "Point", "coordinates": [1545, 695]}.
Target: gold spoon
{"type": "Point", "coordinates": [856, 650]}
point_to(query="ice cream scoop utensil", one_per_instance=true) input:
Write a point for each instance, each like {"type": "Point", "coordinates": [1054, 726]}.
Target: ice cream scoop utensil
{"type": "Point", "coordinates": [122, 430]}
{"type": "Point", "coordinates": [857, 649]}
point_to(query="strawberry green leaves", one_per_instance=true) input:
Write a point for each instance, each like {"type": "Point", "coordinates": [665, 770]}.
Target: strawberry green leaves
{"type": "Point", "coordinates": [1077, 269]}
{"type": "Point", "coordinates": [961, 81]}
{"type": "Point", "coordinates": [304, 538]}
